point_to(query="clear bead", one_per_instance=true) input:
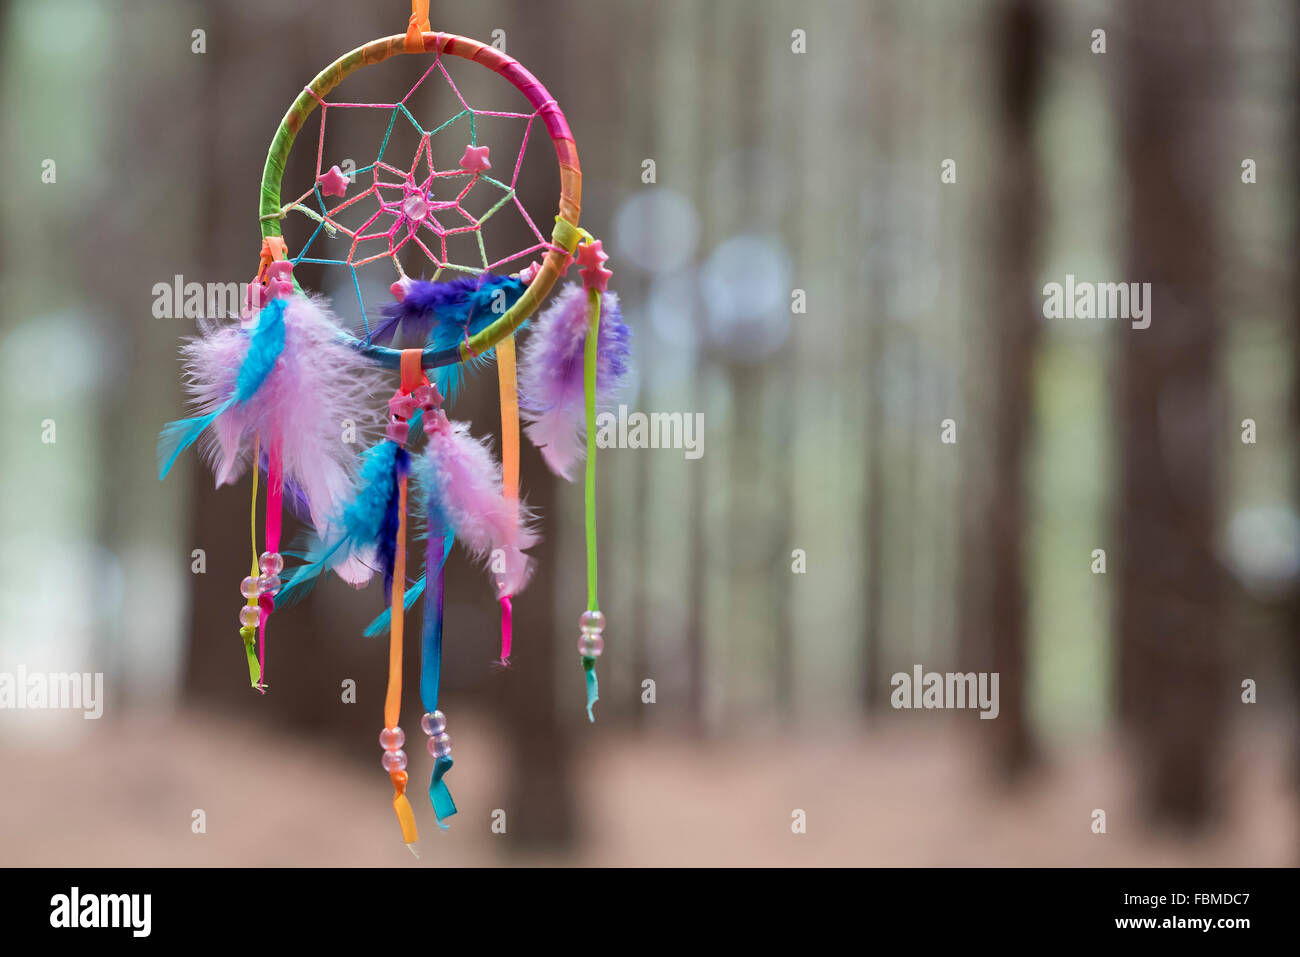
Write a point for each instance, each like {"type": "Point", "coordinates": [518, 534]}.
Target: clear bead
{"type": "Point", "coordinates": [415, 207]}
{"type": "Point", "coordinates": [592, 622]}
{"type": "Point", "coordinates": [269, 585]}
{"type": "Point", "coordinates": [394, 760]}
{"type": "Point", "coordinates": [249, 616]}
{"type": "Point", "coordinates": [591, 644]}
{"type": "Point", "coordinates": [440, 746]}
{"type": "Point", "coordinates": [434, 723]}
{"type": "Point", "coordinates": [248, 587]}
{"type": "Point", "coordinates": [271, 563]}
{"type": "Point", "coordinates": [392, 739]}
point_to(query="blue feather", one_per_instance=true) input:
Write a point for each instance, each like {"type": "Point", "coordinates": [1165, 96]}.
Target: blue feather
{"type": "Point", "coordinates": [385, 617]}
{"type": "Point", "coordinates": [442, 314]}
{"type": "Point", "coordinates": [264, 349]}
{"type": "Point", "coordinates": [178, 436]}
{"type": "Point", "coordinates": [362, 523]}
{"type": "Point", "coordinates": [267, 344]}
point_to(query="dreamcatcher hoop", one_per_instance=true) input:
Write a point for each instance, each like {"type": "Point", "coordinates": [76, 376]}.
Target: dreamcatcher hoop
{"type": "Point", "coordinates": [271, 390]}
{"type": "Point", "coordinates": [564, 237]}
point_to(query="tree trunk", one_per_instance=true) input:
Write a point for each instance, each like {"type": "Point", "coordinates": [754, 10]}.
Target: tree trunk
{"type": "Point", "coordinates": [997, 620]}
{"type": "Point", "coordinates": [1170, 655]}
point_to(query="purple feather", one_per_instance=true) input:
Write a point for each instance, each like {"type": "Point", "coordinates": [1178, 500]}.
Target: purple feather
{"type": "Point", "coordinates": [442, 311]}
{"type": "Point", "coordinates": [552, 399]}
{"type": "Point", "coordinates": [386, 546]}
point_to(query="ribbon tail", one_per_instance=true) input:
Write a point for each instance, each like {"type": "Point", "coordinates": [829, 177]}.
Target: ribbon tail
{"type": "Point", "coordinates": [406, 819]}
{"type": "Point", "coordinates": [507, 615]}
{"type": "Point", "coordinates": [593, 686]}
{"type": "Point", "coordinates": [250, 651]}
{"type": "Point", "coordinates": [443, 806]}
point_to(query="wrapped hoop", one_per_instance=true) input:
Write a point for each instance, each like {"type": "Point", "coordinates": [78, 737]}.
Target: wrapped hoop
{"type": "Point", "coordinates": [564, 236]}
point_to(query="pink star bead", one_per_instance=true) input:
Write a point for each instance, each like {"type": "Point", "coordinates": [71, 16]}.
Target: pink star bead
{"type": "Point", "coordinates": [529, 272]}
{"type": "Point", "coordinates": [475, 159]}
{"type": "Point", "coordinates": [280, 269]}
{"type": "Point", "coordinates": [402, 406]}
{"type": "Point", "coordinates": [591, 257]}
{"type": "Point", "coordinates": [333, 183]}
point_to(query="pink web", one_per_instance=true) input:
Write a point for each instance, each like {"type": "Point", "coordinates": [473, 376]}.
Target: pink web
{"type": "Point", "coordinates": [391, 228]}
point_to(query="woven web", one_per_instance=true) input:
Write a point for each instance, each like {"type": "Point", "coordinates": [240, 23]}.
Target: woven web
{"type": "Point", "coordinates": [397, 197]}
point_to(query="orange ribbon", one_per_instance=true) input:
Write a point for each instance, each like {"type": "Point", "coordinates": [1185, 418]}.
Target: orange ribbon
{"type": "Point", "coordinates": [412, 377]}
{"type": "Point", "coordinates": [417, 26]}
{"type": "Point", "coordinates": [273, 250]}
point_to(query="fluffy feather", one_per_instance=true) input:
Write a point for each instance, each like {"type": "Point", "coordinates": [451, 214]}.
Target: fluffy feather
{"type": "Point", "coordinates": [462, 483]}
{"type": "Point", "coordinates": [300, 396]}
{"type": "Point", "coordinates": [551, 392]}
{"type": "Point", "coordinates": [383, 621]}
{"type": "Point", "coordinates": [441, 314]}
{"type": "Point", "coordinates": [225, 367]}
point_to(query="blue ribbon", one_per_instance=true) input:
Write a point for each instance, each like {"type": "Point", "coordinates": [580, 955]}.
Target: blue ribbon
{"type": "Point", "coordinates": [439, 796]}
{"type": "Point", "coordinates": [438, 545]}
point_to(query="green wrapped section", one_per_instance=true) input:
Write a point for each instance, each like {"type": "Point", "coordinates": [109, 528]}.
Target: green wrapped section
{"type": "Point", "coordinates": [566, 236]}
{"type": "Point", "coordinates": [282, 143]}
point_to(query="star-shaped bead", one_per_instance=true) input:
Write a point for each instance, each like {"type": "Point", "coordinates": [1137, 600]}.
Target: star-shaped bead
{"type": "Point", "coordinates": [591, 257]}
{"type": "Point", "coordinates": [529, 272]}
{"type": "Point", "coordinates": [279, 279]}
{"type": "Point", "coordinates": [333, 183]}
{"type": "Point", "coordinates": [475, 159]}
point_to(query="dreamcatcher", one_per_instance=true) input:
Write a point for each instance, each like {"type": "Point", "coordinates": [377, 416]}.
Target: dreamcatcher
{"type": "Point", "coordinates": [274, 391]}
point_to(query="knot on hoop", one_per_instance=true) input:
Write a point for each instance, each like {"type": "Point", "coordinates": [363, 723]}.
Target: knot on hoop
{"type": "Point", "coordinates": [273, 249]}
{"type": "Point", "coordinates": [417, 26]}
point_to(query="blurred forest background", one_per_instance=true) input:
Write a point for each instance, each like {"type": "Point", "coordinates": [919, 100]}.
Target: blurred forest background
{"type": "Point", "coordinates": [776, 171]}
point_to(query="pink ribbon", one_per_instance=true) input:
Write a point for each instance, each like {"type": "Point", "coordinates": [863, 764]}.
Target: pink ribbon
{"type": "Point", "coordinates": [274, 500]}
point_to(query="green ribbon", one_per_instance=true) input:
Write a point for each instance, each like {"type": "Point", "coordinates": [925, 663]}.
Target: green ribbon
{"type": "Point", "coordinates": [254, 669]}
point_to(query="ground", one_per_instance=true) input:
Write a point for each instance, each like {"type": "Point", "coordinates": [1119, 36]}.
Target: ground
{"type": "Point", "coordinates": [127, 795]}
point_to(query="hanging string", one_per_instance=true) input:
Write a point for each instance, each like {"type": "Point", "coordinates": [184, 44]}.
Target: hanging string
{"type": "Point", "coordinates": [507, 380]}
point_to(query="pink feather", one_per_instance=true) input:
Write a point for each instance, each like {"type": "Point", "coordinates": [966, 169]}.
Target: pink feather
{"type": "Point", "coordinates": [464, 484]}
{"type": "Point", "coordinates": [319, 385]}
